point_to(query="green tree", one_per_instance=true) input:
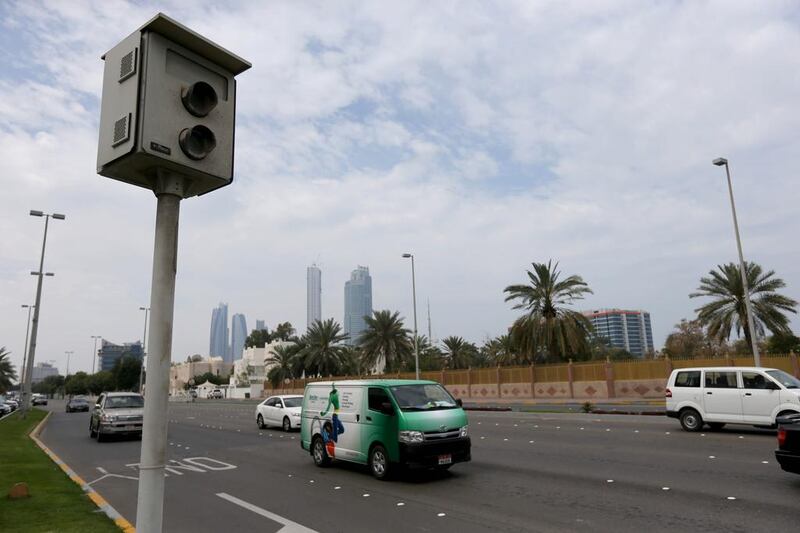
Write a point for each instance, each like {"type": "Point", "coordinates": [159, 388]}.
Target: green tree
{"type": "Point", "coordinates": [323, 354]}
{"type": "Point", "coordinates": [258, 338]}
{"type": "Point", "coordinates": [430, 356]}
{"type": "Point", "coordinates": [282, 361]}
{"type": "Point", "coordinates": [77, 383]}
{"type": "Point", "coordinates": [549, 329]}
{"type": "Point", "coordinates": [49, 385]}
{"type": "Point", "coordinates": [726, 312]}
{"type": "Point", "coordinates": [196, 358]}
{"type": "Point", "coordinates": [126, 373]}
{"type": "Point", "coordinates": [458, 352]}
{"type": "Point", "coordinates": [199, 379]}
{"type": "Point", "coordinates": [385, 339]}
{"type": "Point", "coordinates": [7, 371]}
{"type": "Point", "coordinates": [283, 332]}
{"type": "Point", "coordinates": [100, 382]}
{"type": "Point", "coordinates": [783, 344]}
{"type": "Point", "coordinates": [502, 351]}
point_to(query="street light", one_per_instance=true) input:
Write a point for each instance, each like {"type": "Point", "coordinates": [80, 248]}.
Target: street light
{"type": "Point", "coordinates": [37, 307]}
{"type": "Point", "coordinates": [69, 354]}
{"type": "Point", "coordinates": [720, 162]}
{"type": "Point", "coordinates": [25, 352]}
{"type": "Point", "coordinates": [414, 294]}
{"type": "Point", "coordinates": [94, 353]}
{"type": "Point", "coordinates": [144, 336]}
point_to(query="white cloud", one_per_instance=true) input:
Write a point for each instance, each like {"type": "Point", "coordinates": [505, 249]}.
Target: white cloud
{"type": "Point", "coordinates": [479, 136]}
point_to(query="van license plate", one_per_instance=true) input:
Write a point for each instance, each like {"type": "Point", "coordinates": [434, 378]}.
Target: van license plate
{"type": "Point", "coordinates": [445, 459]}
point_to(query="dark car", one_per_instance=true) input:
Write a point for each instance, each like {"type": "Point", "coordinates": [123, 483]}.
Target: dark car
{"type": "Point", "coordinates": [39, 400]}
{"type": "Point", "coordinates": [77, 404]}
{"type": "Point", "coordinates": [788, 452]}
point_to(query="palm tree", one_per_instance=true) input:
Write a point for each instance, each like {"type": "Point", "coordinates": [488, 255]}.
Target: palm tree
{"type": "Point", "coordinates": [548, 328]}
{"type": "Point", "coordinates": [385, 344]}
{"type": "Point", "coordinates": [282, 360]}
{"type": "Point", "coordinates": [459, 352]}
{"type": "Point", "coordinates": [728, 312]}
{"type": "Point", "coordinates": [502, 351]}
{"type": "Point", "coordinates": [283, 332]}
{"type": "Point", "coordinates": [324, 353]}
{"type": "Point", "coordinates": [7, 372]}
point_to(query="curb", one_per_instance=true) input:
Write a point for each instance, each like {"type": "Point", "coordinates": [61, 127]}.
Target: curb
{"type": "Point", "coordinates": [98, 500]}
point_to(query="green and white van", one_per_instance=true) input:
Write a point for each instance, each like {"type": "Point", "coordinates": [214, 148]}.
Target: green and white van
{"type": "Point", "coordinates": [384, 423]}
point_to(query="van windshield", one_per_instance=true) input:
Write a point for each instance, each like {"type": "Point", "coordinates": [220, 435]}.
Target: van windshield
{"type": "Point", "coordinates": [124, 402]}
{"type": "Point", "coordinates": [787, 380]}
{"type": "Point", "coordinates": [422, 397]}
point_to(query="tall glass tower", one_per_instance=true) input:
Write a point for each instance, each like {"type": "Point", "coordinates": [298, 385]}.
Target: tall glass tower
{"type": "Point", "coordinates": [218, 344]}
{"type": "Point", "coordinates": [357, 303]}
{"type": "Point", "coordinates": [313, 294]}
{"type": "Point", "coordinates": [238, 336]}
{"type": "Point", "coordinates": [627, 329]}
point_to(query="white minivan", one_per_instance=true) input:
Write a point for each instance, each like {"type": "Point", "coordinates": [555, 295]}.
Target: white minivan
{"type": "Point", "coordinates": [731, 395]}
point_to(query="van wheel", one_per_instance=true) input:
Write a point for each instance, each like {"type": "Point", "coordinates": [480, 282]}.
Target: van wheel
{"type": "Point", "coordinates": [287, 426]}
{"type": "Point", "coordinates": [92, 433]}
{"type": "Point", "coordinates": [716, 426]}
{"type": "Point", "coordinates": [691, 420]}
{"type": "Point", "coordinates": [379, 462]}
{"type": "Point", "coordinates": [318, 452]}
{"type": "Point", "coordinates": [100, 436]}
{"type": "Point", "coordinates": [260, 422]}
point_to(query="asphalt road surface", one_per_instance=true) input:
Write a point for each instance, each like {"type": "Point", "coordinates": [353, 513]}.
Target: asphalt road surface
{"type": "Point", "coordinates": [529, 472]}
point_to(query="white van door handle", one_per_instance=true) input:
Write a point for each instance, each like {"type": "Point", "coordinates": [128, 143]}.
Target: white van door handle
{"type": "Point", "coordinates": [748, 393]}
{"type": "Point", "coordinates": [358, 417]}
{"type": "Point", "coordinates": [709, 393]}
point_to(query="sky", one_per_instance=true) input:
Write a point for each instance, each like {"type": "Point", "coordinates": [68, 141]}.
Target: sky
{"type": "Point", "coordinates": [479, 136]}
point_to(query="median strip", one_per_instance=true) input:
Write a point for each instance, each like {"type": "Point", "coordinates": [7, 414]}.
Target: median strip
{"type": "Point", "coordinates": [93, 495]}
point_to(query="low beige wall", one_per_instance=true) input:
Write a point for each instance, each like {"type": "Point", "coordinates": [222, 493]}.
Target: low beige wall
{"type": "Point", "coordinates": [485, 390]}
{"type": "Point", "coordinates": [515, 390]}
{"type": "Point", "coordinates": [552, 389]}
{"type": "Point", "coordinates": [640, 388]}
{"type": "Point", "coordinates": [590, 389]}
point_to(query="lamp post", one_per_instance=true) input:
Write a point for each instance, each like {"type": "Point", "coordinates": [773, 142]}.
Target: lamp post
{"type": "Point", "coordinates": [144, 336]}
{"type": "Point", "coordinates": [25, 352]}
{"type": "Point", "coordinates": [721, 161]}
{"type": "Point", "coordinates": [26, 395]}
{"type": "Point", "coordinates": [69, 354]}
{"type": "Point", "coordinates": [94, 353]}
{"type": "Point", "coordinates": [414, 295]}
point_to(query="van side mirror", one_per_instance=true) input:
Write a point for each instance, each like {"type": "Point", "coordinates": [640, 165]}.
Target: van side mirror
{"type": "Point", "coordinates": [387, 409]}
{"type": "Point", "coordinates": [459, 402]}
{"type": "Point", "coordinates": [97, 406]}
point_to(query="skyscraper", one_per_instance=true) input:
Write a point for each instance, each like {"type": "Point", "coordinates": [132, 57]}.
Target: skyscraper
{"type": "Point", "coordinates": [260, 324]}
{"type": "Point", "coordinates": [630, 330]}
{"type": "Point", "coordinates": [218, 344]}
{"type": "Point", "coordinates": [313, 294]}
{"type": "Point", "coordinates": [238, 336]}
{"type": "Point", "coordinates": [357, 303]}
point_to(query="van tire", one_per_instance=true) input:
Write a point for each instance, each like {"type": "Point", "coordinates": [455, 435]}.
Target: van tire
{"type": "Point", "coordinates": [691, 420]}
{"type": "Point", "coordinates": [378, 462]}
{"type": "Point", "coordinates": [318, 452]}
{"type": "Point", "coordinates": [92, 433]}
{"type": "Point", "coordinates": [716, 426]}
{"type": "Point", "coordinates": [782, 413]}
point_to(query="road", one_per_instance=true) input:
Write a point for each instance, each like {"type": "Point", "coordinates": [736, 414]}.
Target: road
{"type": "Point", "coordinates": [529, 472]}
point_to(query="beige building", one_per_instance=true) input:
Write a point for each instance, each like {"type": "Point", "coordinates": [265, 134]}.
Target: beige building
{"type": "Point", "coordinates": [253, 367]}
{"type": "Point", "coordinates": [181, 373]}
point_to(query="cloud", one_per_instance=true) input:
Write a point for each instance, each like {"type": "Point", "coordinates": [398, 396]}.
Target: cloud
{"type": "Point", "coordinates": [479, 136]}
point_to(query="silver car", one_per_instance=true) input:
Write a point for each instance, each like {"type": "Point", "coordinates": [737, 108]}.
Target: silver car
{"type": "Point", "coordinates": [117, 413]}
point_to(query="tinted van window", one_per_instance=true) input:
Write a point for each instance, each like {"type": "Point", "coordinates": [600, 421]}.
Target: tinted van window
{"type": "Point", "coordinates": [688, 379]}
{"type": "Point", "coordinates": [721, 380]}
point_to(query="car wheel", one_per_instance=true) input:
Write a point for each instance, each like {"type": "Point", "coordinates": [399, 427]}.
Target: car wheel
{"type": "Point", "coordinates": [318, 452]}
{"type": "Point", "coordinates": [287, 425]}
{"type": "Point", "coordinates": [260, 422]}
{"type": "Point", "coordinates": [92, 433]}
{"type": "Point", "coordinates": [716, 426]}
{"type": "Point", "coordinates": [379, 462]}
{"type": "Point", "coordinates": [691, 420]}
{"type": "Point", "coordinates": [100, 436]}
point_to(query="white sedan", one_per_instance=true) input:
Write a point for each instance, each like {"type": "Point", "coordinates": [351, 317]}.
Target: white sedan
{"type": "Point", "coordinates": [281, 411]}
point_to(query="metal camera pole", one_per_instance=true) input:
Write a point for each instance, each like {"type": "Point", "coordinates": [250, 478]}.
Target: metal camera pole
{"type": "Point", "coordinates": [150, 506]}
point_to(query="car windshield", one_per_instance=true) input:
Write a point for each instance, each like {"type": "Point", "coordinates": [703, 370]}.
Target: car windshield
{"type": "Point", "coordinates": [78, 400]}
{"type": "Point", "coordinates": [293, 402]}
{"type": "Point", "coordinates": [124, 402]}
{"type": "Point", "coordinates": [422, 397]}
{"type": "Point", "coordinates": [787, 380]}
